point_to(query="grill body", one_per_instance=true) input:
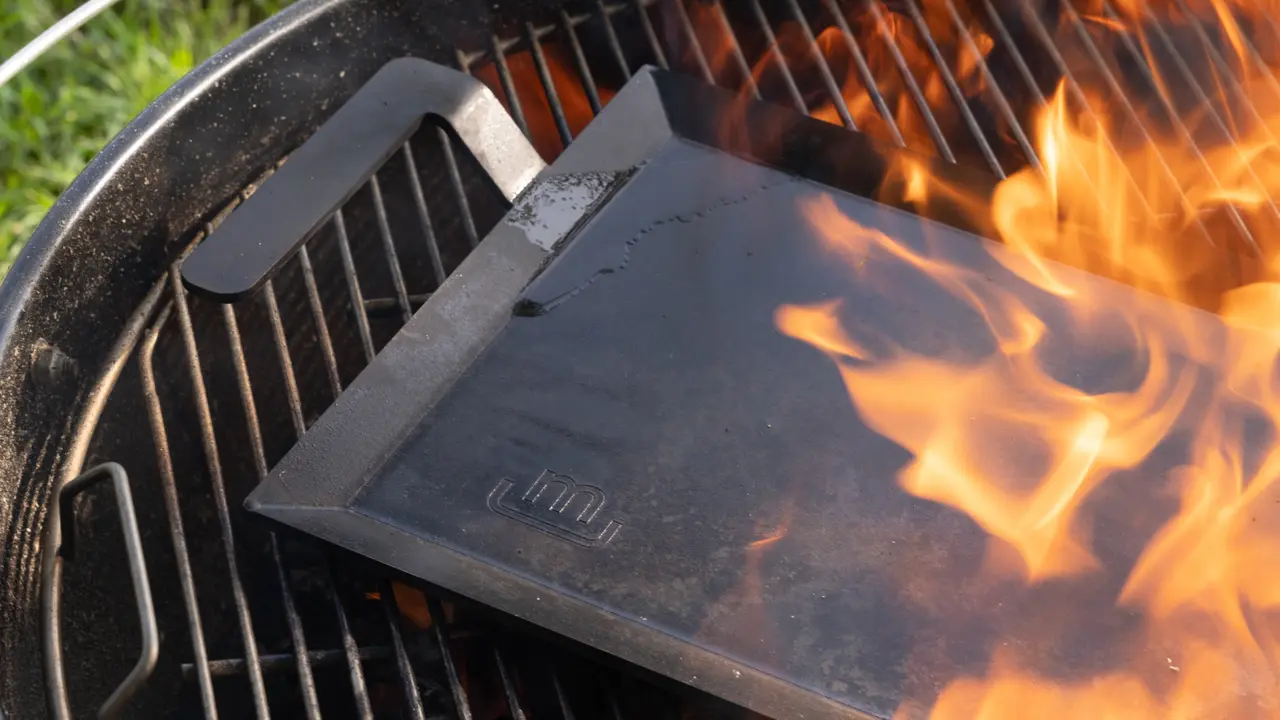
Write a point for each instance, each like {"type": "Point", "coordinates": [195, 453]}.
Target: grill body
{"type": "Point", "coordinates": [100, 354]}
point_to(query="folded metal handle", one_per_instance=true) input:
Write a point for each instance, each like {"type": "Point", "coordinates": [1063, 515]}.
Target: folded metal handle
{"type": "Point", "coordinates": [61, 544]}
{"type": "Point", "coordinates": [264, 231]}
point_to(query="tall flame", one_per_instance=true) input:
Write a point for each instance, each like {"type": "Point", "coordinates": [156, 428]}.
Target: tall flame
{"type": "Point", "coordinates": [1010, 444]}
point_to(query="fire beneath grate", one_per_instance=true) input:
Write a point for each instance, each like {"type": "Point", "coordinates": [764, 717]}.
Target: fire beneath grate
{"type": "Point", "coordinates": [259, 625]}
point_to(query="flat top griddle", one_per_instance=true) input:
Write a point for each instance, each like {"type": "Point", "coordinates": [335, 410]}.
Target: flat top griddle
{"type": "Point", "coordinates": [626, 451]}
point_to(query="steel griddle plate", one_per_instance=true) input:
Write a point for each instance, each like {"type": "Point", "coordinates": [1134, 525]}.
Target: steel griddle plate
{"type": "Point", "coordinates": [601, 461]}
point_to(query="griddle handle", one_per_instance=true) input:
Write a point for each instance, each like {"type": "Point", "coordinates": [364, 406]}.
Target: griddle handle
{"type": "Point", "coordinates": [291, 205]}
{"type": "Point", "coordinates": [61, 542]}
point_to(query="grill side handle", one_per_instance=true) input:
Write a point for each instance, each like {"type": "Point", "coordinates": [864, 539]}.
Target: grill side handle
{"type": "Point", "coordinates": [61, 543]}
{"type": "Point", "coordinates": [321, 175]}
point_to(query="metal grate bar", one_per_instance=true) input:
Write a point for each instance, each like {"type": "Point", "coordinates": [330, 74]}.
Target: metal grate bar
{"type": "Point", "coordinates": [280, 663]}
{"type": "Point", "coordinates": [388, 307]}
{"type": "Point", "coordinates": [1224, 73]}
{"type": "Point", "coordinates": [424, 217]}
{"type": "Point", "coordinates": [1092, 49]}
{"type": "Point", "coordinates": [1151, 75]}
{"type": "Point", "coordinates": [412, 699]}
{"type": "Point", "coordinates": [647, 25]}
{"type": "Point", "coordinates": [611, 35]}
{"type": "Point", "coordinates": [580, 58]}
{"type": "Point", "coordinates": [455, 176]}
{"type": "Point", "coordinates": [864, 71]}
{"type": "Point", "coordinates": [953, 88]}
{"type": "Point", "coordinates": [829, 80]}
{"type": "Point", "coordinates": [353, 285]}
{"type": "Point", "coordinates": [186, 578]}
{"type": "Point", "coordinates": [548, 84]}
{"type": "Point", "coordinates": [322, 325]}
{"type": "Point", "coordinates": [508, 87]}
{"type": "Point", "coordinates": [299, 423]}
{"type": "Point", "coordinates": [909, 80]}
{"type": "Point", "coordinates": [1006, 39]}
{"type": "Point", "coordinates": [1034, 22]}
{"type": "Point", "coordinates": [687, 25]}
{"type": "Point", "coordinates": [1073, 87]}
{"type": "Point", "coordinates": [306, 679]}
{"type": "Point", "coordinates": [565, 710]}
{"type": "Point", "coordinates": [438, 622]}
{"type": "Point", "coordinates": [389, 249]}
{"type": "Point", "coordinates": [735, 50]}
{"type": "Point", "coordinates": [364, 708]}
{"type": "Point", "coordinates": [780, 60]}
{"type": "Point", "coordinates": [1245, 43]}
{"type": "Point", "coordinates": [214, 464]}
{"type": "Point", "coordinates": [997, 94]}
{"type": "Point", "coordinates": [285, 360]}
{"type": "Point", "coordinates": [508, 687]}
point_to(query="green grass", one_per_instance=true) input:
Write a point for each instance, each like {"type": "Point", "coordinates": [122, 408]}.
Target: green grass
{"type": "Point", "coordinates": [56, 115]}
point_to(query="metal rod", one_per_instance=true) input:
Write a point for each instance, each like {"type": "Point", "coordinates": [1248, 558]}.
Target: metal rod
{"type": "Point", "coordinates": [548, 84]}
{"type": "Point", "coordinates": [61, 545]}
{"type": "Point", "coordinates": [996, 93]}
{"type": "Point", "coordinates": [1015, 54]}
{"type": "Point", "coordinates": [1092, 50]}
{"type": "Point", "coordinates": [424, 216]}
{"type": "Point", "coordinates": [699, 57]}
{"type": "Point", "coordinates": [186, 578]}
{"type": "Point", "coordinates": [214, 465]}
{"type": "Point", "coordinates": [459, 192]}
{"type": "Point", "coordinates": [824, 70]}
{"type": "Point", "coordinates": [646, 24]}
{"type": "Point", "coordinates": [580, 58]}
{"type": "Point", "coordinates": [1202, 98]}
{"type": "Point", "coordinates": [864, 71]}
{"type": "Point", "coordinates": [1224, 71]}
{"type": "Point", "coordinates": [306, 679]}
{"type": "Point", "coordinates": [389, 249]}
{"type": "Point", "coordinates": [508, 686]}
{"type": "Point", "coordinates": [735, 49]}
{"type": "Point", "coordinates": [286, 662]}
{"type": "Point", "coordinates": [953, 88]}
{"type": "Point", "coordinates": [285, 360]}
{"type": "Point", "coordinates": [438, 623]}
{"type": "Point", "coordinates": [565, 710]}
{"type": "Point", "coordinates": [780, 60]}
{"type": "Point", "coordinates": [412, 699]}
{"type": "Point", "coordinates": [322, 324]}
{"type": "Point", "coordinates": [386, 307]}
{"type": "Point", "coordinates": [1246, 44]}
{"type": "Point", "coordinates": [353, 285]}
{"type": "Point", "coordinates": [508, 87]}
{"type": "Point", "coordinates": [611, 35]}
{"type": "Point", "coordinates": [364, 708]}
{"type": "Point", "coordinates": [913, 88]}
{"type": "Point", "coordinates": [1073, 87]}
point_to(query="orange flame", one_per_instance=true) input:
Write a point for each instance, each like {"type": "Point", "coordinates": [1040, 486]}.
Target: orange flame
{"type": "Point", "coordinates": [1020, 450]}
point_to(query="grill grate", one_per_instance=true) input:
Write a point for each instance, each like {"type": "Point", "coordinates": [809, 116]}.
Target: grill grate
{"type": "Point", "coordinates": [269, 626]}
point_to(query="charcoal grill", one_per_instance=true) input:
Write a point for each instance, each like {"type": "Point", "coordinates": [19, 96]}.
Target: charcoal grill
{"type": "Point", "coordinates": [107, 359]}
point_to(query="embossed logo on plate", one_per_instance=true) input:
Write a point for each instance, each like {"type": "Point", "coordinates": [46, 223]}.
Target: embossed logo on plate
{"type": "Point", "coordinates": [548, 505]}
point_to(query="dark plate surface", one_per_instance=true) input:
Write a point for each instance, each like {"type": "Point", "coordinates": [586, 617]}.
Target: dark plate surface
{"type": "Point", "coordinates": [641, 461]}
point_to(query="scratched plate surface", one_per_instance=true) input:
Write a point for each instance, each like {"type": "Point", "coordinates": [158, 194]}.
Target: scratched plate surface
{"type": "Point", "coordinates": [627, 443]}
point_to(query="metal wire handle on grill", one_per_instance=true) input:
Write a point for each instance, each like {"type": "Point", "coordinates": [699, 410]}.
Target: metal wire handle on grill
{"type": "Point", "coordinates": [319, 177]}
{"type": "Point", "coordinates": [62, 546]}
